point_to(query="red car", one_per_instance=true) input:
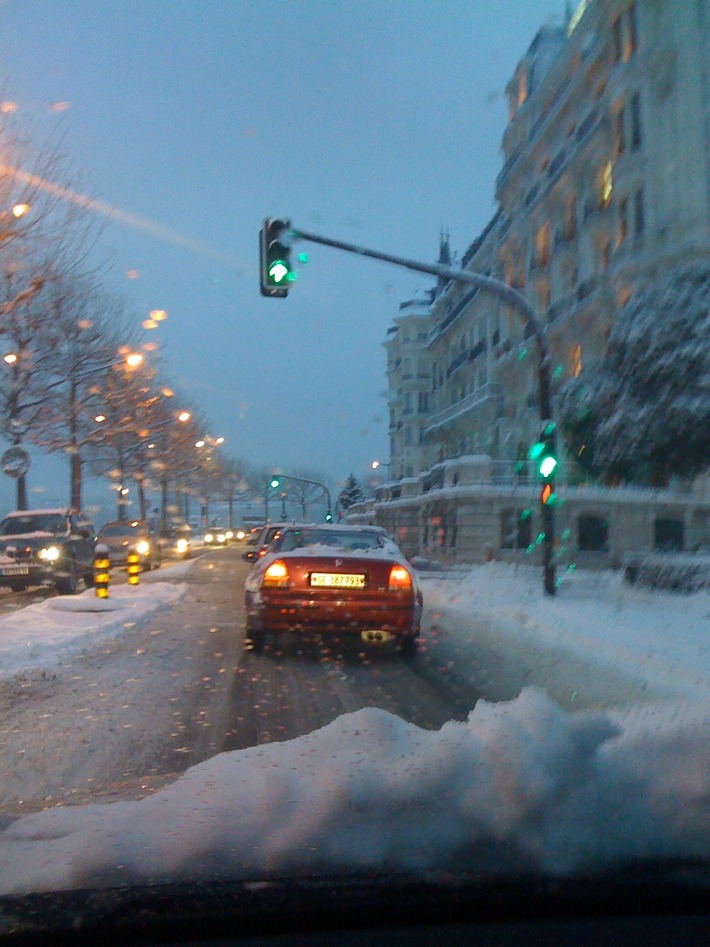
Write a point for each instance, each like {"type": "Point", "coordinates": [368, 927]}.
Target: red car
{"type": "Point", "coordinates": [349, 580]}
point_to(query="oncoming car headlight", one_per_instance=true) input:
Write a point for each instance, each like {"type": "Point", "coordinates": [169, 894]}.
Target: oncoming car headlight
{"type": "Point", "coordinates": [229, 534]}
{"type": "Point", "coordinates": [221, 538]}
{"type": "Point", "coordinates": [208, 537]}
{"type": "Point", "coordinates": [50, 553]}
{"type": "Point", "coordinates": [182, 545]}
{"type": "Point", "coordinates": [143, 547]}
{"type": "Point", "coordinates": [241, 534]}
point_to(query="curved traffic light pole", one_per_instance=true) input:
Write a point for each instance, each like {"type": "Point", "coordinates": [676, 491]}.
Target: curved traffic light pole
{"type": "Point", "coordinates": [512, 298]}
{"type": "Point", "coordinates": [316, 483]}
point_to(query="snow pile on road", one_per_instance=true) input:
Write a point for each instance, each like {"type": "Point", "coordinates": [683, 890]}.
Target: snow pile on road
{"type": "Point", "coordinates": [522, 785]}
{"type": "Point", "coordinates": [598, 642]}
{"type": "Point", "coordinates": [46, 633]}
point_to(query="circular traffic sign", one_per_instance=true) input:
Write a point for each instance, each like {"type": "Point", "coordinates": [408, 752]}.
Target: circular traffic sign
{"type": "Point", "coordinates": [15, 462]}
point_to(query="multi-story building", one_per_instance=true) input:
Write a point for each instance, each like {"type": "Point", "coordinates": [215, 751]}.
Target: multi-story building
{"type": "Point", "coordinates": [605, 185]}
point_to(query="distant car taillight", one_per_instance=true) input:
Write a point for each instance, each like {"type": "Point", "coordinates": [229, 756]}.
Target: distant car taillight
{"type": "Point", "coordinates": [275, 576]}
{"type": "Point", "coordinates": [400, 579]}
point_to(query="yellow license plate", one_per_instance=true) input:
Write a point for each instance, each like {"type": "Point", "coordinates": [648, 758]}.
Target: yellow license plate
{"type": "Point", "coordinates": [337, 580]}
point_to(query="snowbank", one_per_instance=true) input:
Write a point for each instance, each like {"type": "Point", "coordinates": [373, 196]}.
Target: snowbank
{"type": "Point", "coordinates": [520, 785]}
{"type": "Point", "coordinates": [44, 634]}
{"type": "Point", "coordinates": [598, 642]}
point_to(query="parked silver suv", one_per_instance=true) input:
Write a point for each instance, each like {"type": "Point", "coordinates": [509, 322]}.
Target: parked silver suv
{"type": "Point", "coordinates": [46, 546]}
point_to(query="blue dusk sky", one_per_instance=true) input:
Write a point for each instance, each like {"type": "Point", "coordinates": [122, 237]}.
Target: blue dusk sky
{"type": "Point", "coordinates": [376, 122]}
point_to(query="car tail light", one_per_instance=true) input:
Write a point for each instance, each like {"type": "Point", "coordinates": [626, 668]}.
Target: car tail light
{"type": "Point", "coordinates": [275, 576]}
{"type": "Point", "coordinates": [400, 579]}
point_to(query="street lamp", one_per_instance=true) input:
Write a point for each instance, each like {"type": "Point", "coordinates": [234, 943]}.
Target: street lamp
{"type": "Point", "coordinates": [378, 463]}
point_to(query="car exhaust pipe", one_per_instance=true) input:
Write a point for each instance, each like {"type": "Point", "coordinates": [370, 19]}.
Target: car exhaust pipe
{"type": "Point", "coordinates": [375, 636]}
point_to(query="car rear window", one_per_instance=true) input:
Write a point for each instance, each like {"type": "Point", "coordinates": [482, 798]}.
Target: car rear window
{"type": "Point", "coordinates": [341, 539]}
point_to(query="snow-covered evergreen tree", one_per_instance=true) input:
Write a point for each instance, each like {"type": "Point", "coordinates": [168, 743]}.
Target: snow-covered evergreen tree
{"type": "Point", "coordinates": [351, 493]}
{"type": "Point", "coordinates": [643, 412]}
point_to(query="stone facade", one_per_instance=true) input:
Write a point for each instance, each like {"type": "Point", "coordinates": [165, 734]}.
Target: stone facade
{"type": "Point", "coordinates": [605, 184]}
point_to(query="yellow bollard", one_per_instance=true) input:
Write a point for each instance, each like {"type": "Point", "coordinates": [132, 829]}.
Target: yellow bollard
{"type": "Point", "coordinates": [133, 566]}
{"type": "Point", "coordinates": [102, 564]}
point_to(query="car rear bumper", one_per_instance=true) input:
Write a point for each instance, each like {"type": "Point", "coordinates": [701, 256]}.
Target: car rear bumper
{"type": "Point", "coordinates": [280, 613]}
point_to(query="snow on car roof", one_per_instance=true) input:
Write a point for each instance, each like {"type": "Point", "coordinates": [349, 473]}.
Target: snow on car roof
{"type": "Point", "coordinates": [59, 511]}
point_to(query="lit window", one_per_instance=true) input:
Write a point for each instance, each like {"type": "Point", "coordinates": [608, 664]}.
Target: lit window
{"type": "Point", "coordinates": [607, 185]}
{"type": "Point", "coordinates": [522, 87]}
{"type": "Point", "coordinates": [542, 245]}
{"type": "Point", "coordinates": [576, 360]}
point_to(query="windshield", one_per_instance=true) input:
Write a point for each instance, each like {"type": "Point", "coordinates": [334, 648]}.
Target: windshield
{"type": "Point", "coordinates": [455, 261]}
{"type": "Point", "coordinates": [121, 529]}
{"type": "Point", "coordinates": [32, 523]}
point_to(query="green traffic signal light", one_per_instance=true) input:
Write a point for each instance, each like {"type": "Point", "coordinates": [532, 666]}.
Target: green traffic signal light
{"type": "Point", "coordinates": [328, 517]}
{"type": "Point", "coordinates": [544, 452]}
{"type": "Point", "coordinates": [275, 482]}
{"type": "Point", "coordinates": [276, 269]}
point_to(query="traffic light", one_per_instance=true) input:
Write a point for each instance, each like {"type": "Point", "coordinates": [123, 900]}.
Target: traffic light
{"type": "Point", "coordinates": [548, 496]}
{"type": "Point", "coordinates": [274, 483]}
{"type": "Point", "coordinates": [544, 452]}
{"type": "Point", "coordinates": [276, 268]}
{"type": "Point", "coordinates": [328, 517]}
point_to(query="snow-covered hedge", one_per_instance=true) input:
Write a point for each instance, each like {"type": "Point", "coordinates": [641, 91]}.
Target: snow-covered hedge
{"type": "Point", "coordinates": [686, 573]}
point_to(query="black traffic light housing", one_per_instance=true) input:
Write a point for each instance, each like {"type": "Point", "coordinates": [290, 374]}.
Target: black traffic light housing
{"type": "Point", "coordinates": [275, 266]}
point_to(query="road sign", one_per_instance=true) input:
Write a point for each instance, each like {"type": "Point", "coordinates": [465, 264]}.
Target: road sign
{"type": "Point", "coordinates": [15, 462]}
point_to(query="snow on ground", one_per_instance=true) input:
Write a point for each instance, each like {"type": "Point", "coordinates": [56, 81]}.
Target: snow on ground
{"type": "Point", "coordinates": [598, 639]}
{"type": "Point", "coordinates": [42, 635]}
{"type": "Point", "coordinates": [522, 784]}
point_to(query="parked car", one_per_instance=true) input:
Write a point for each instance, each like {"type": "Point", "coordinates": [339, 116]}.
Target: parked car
{"type": "Point", "coordinates": [350, 580]}
{"type": "Point", "coordinates": [120, 535]}
{"type": "Point", "coordinates": [46, 546]}
{"type": "Point", "coordinates": [176, 542]}
{"type": "Point", "coordinates": [259, 542]}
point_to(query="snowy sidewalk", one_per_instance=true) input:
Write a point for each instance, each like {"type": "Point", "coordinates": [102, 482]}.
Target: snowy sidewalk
{"type": "Point", "coordinates": [598, 639]}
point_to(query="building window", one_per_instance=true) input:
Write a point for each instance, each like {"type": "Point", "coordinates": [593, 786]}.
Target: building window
{"type": "Point", "coordinates": [433, 377]}
{"type": "Point", "coordinates": [635, 121]}
{"type": "Point", "coordinates": [606, 184]}
{"type": "Point", "coordinates": [619, 132]}
{"type": "Point", "coordinates": [542, 245]}
{"type": "Point", "coordinates": [542, 291]}
{"type": "Point", "coordinates": [522, 87]}
{"type": "Point", "coordinates": [617, 36]}
{"type": "Point", "coordinates": [623, 222]}
{"type": "Point", "coordinates": [423, 402]}
{"type": "Point", "coordinates": [592, 534]}
{"type": "Point", "coordinates": [576, 359]}
{"type": "Point", "coordinates": [407, 437]}
{"type": "Point", "coordinates": [668, 535]}
{"type": "Point", "coordinates": [631, 31]}
{"type": "Point", "coordinates": [639, 213]}
{"type": "Point", "coordinates": [515, 529]}
{"type": "Point", "coordinates": [605, 254]}
{"type": "Point", "coordinates": [571, 217]}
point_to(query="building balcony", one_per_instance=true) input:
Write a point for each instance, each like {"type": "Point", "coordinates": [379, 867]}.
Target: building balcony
{"type": "Point", "coordinates": [465, 407]}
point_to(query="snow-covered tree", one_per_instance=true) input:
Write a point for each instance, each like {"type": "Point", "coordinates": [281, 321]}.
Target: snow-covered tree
{"type": "Point", "coordinates": [351, 493]}
{"type": "Point", "coordinates": [643, 412]}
